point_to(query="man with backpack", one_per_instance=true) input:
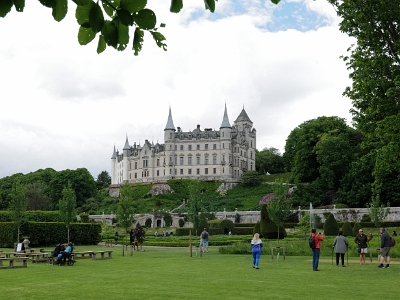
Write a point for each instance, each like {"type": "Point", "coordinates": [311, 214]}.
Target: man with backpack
{"type": "Point", "coordinates": [204, 240]}
{"type": "Point", "coordinates": [315, 247]}
{"type": "Point", "coordinates": [385, 248]}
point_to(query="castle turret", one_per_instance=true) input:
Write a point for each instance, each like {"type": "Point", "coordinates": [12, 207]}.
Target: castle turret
{"type": "Point", "coordinates": [126, 151]}
{"type": "Point", "coordinates": [169, 129]}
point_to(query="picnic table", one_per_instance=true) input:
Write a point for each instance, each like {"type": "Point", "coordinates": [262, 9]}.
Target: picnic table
{"type": "Point", "coordinates": [12, 260]}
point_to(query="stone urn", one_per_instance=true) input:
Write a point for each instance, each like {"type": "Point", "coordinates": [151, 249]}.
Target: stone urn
{"type": "Point", "coordinates": [26, 242]}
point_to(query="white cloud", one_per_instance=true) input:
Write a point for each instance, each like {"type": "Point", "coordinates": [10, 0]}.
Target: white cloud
{"type": "Point", "coordinates": [64, 106]}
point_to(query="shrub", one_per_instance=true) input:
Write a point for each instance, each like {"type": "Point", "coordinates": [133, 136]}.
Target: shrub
{"type": "Point", "coordinates": [256, 228]}
{"type": "Point", "coordinates": [331, 227]}
{"type": "Point", "coordinates": [84, 217]}
{"type": "Point", "coordinates": [221, 226]}
{"type": "Point", "coordinates": [347, 229]}
{"type": "Point", "coordinates": [356, 228]}
{"type": "Point", "coordinates": [181, 222]}
{"type": "Point", "coordinates": [366, 218]}
{"type": "Point", "coordinates": [268, 229]}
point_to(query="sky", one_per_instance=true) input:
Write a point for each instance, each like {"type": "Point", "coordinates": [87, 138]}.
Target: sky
{"type": "Point", "coordinates": [63, 106]}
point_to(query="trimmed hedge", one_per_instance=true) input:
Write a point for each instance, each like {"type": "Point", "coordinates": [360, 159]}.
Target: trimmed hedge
{"type": "Point", "coordinates": [242, 230]}
{"type": "Point", "coordinates": [220, 226]}
{"type": "Point", "coordinates": [34, 216]}
{"type": "Point", "coordinates": [51, 233]}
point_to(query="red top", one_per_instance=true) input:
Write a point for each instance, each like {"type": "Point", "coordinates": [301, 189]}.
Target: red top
{"type": "Point", "coordinates": [317, 239]}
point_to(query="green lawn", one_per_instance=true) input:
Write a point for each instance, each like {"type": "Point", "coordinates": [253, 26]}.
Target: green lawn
{"type": "Point", "coordinates": [169, 273]}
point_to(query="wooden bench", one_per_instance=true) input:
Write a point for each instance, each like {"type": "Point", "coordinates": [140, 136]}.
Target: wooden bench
{"type": "Point", "coordinates": [38, 256]}
{"type": "Point", "coordinates": [11, 261]}
{"type": "Point", "coordinates": [83, 254]}
{"type": "Point", "coordinates": [102, 254]}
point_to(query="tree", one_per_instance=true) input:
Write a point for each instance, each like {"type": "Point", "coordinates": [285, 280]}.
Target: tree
{"type": "Point", "coordinates": [377, 211]}
{"type": "Point", "coordinates": [269, 160]}
{"type": "Point", "coordinates": [36, 195]}
{"type": "Point", "coordinates": [279, 207]}
{"type": "Point", "coordinates": [194, 204]}
{"type": "Point", "coordinates": [304, 224]}
{"type": "Point", "coordinates": [331, 227]}
{"type": "Point", "coordinates": [18, 205]}
{"type": "Point", "coordinates": [125, 209]}
{"type": "Point", "coordinates": [103, 180]}
{"type": "Point", "coordinates": [374, 64]}
{"type": "Point", "coordinates": [67, 206]}
{"type": "Point", "coordinates": [251, 178]}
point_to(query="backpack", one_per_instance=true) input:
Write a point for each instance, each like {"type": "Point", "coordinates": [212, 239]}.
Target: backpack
{"type": "Point", "coordinates": [204, 235]}
{"type": "Point", "coordinates": [392, 242]}
{"type": "Point", "coordinates": [311, 242]}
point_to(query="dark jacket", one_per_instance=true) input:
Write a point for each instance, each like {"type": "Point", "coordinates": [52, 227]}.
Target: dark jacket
{"type": "Point", "coordinates": [385, 240]}
{"type": "Point", "coordinates": [361, 240]}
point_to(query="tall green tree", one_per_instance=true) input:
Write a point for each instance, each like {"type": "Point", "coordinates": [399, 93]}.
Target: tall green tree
{"type": "Point", "coordinates": [67, 207]}
{"type": "Point", "coordinates": [103, 180]}
{"type": "Point", "coordinates": [18, 205]}
{"type": "Point", "coordinates": [374, 64]}
{"type": "Point", "coordinates": [195, 206]}
{"type": "Point", "coordinates": [125, 210]}
{"type": "Point", "coordinates": [279, 207]}
{"type": "Point", "coordinates": [377, 211]}
{"type": "Point", "coordinates": [37, 197]}
{"type": "Point", "coordinates": [269, 160]}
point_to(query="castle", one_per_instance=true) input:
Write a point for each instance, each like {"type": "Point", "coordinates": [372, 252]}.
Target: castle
{"type": "Point", "coordinates": [207, 154]}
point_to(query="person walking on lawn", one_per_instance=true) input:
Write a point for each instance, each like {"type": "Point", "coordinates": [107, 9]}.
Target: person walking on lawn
{"type": "Point", "coordinates": [256, 247]}
{"type": "Point", "coordinates": [385, 249]}
{"type": "Point", "coordinates": [340, 246]}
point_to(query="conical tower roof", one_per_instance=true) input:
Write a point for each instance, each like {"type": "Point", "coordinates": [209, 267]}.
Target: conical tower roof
{"type": "Point", "coordinates": [114, 155]}
{"type": "Point", "coordinates": [225, 120]}
{"type": "Point", "coordinates": [170, 123]}
{"type": "Point", "coordinates": [127, 147]}
{"type": "Point", "coordinates": [243, 117]}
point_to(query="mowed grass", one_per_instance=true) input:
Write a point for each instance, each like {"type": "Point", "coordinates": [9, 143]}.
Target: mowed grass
{"type": "Point", "coordinates": [169, 273]}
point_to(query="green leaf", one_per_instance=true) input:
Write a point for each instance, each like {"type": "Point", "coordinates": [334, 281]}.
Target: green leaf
{"type": "Point", "coordinates": [275, 1]}
{"type": "Point", "coordinates": [5, 7]}
{"type": "Point", "coordinates": [101, 46]}
{"type": "Point", "coordinates": [110, 33]}
{"type": "Point", "coordinates": [145, 19]}
{"type": "Point", "coordinates": [60, 10]}
{"type": "Point", "coordinates": [176, 6]}
{"type": "Point", "coordinates": [133, 5]}
{"type": "Point", "coordinates": [125, 17]}
{"type": "Point", "coordinates": [162, 25]}
{"type": "Point", "coordinates": [85, 35]}
{"type": "Point", "coordinates": [210, 5]}
{"type": "Point", "coordinates": [123, 34]}
{"type": "Point", "coordinates": [82, 2]}
{"type": "Point", "coordinates": [137, 41]}
{"type": "Point", "coordinates": [48, 3]}
{"type": "Point", "coordinates": [96, 18]}
{"type": "Point", "coordinates": [108, 9]}
{"type": "Point", "coordinates": [159, 38]}
{"type": "Point", "coordinates": [82, 13]}
{"type": "Point", "coordinates": [19, 5]}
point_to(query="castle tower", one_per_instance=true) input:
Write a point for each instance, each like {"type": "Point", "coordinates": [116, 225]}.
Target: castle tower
{"type": "Point", "coordinates": [113, 167]}
{"type": "Point", "coordinates": [125, 163]}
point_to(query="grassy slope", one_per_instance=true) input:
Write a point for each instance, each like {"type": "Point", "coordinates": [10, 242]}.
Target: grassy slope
{"type": "Point", "coordinates": [169, 273]}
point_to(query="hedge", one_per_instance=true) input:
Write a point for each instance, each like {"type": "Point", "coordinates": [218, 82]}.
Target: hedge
{"type": "Point", "coordinates": [243, 230]}
{"type": "Point", "coordinates": [50, 233]}
{"type": "Point", "coordinates": [34, 216]}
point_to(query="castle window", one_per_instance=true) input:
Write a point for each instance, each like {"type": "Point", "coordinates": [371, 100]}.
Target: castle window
{"type": "Point", "coordinates": [214, 170]}
{"type": "Point", "coordinates": [223, 157]}
{"type": "Point", "coordinates": [206, 146]}
{"type": "Point", "coordinates": [206, 171]}
{"type": "Point", "coordinates": [251, 155]}
{"type": "Point", "coordinates": [251, 144]}
{"type": "Point", "coordinates": [181, 160]}
{"type": "Point", "coordinates": [158, 173]}
{"type": "Point", "coordinates": [198, 160]}
{"type": "Point", "coordinates": [158, 162]}
{"type": "Point", "coordinates": [181, 147]}
{"type": "Point", "coordinates": [214, 159]}
{"type": "Point", "coordinates": [206, 160]}
{"type": "Point", "coordinates": [223, 146]}
{"type": "Point", "coordinates": [215, 146]}
{"type": "Point", "coordinates": [176, 147]}
{"type": "Point", "coordinates": [170, 159]}
{"type": "Point", "coordinates": [198, 171]}
{"type": "Point", "coordinates": [198, 147]}
{"type": "Point", "coordinates": [181, 171]}
{"type": "Point", "coordinates": [190, 147]}
{"type": "Point", "coordinates": [135, 165]}
{"type": "Point", "coordinates": [175, 160]}
{"type": "Point", "coordinates": [170, 171]}
{"type": "Point", "coordinates": [190, 171]}
{"type": "Point", "coordinates": [176, 171]}
{"type": "Point", "coordinates": [135, 175]}
{"type": "Point", "coordinates": [223, 170]}
{"type": "Point", "coordinates": [130, 166]}
{"type": "Point", "coordinates": [130, 175]}
{"type": "Point", "coordinates": [223, 134]}
{"type": "Point", "coordinates": [189, 160]}
{"type": "Point", "coordinates": [170, 135]}
{"type": "Point", "coordinates": [206, 135]}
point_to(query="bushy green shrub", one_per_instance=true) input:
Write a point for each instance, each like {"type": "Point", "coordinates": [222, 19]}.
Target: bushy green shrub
{"type": "Point", "coordinates": [347, 229]}
{"type": "Point", "coordinates": [366, 218]}
{"type": "Point", "coordinates": [356, 228]}
{"type": "Point", "coordinates": [256, 228]}
{"type": "Point", "coordinates": [221, 226]}
{"type": "Point", "coordinates": [331, 227]}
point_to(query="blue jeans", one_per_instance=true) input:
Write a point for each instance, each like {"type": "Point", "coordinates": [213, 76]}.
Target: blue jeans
{"type": "Point", "coordinates": [256, 258]}
{"type": "Point", "coordinates": [315, 258]}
